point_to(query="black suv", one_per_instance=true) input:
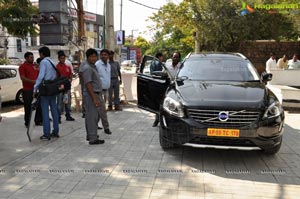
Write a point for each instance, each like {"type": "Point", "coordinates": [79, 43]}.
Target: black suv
{"type": "Point", "coordinates": [216, 100]}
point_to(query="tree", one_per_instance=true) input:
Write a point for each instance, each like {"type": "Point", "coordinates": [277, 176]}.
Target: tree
{"type": "Point", "coordinates": [16, 17]}
{"type": "Point", "coordinates": [141, 43]}
{"type": "Point", "coordinates": [172, 34]}
{"type": "Point", "coordinates": [218, 24]}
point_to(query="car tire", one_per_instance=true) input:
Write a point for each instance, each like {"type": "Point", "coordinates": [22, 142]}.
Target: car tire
{"type": "Point", "coordinates": [273, 150]}
{"type": "Point", "coordinates": [162, 140]}
{"type": "Point", "coordinates": [19, 97]}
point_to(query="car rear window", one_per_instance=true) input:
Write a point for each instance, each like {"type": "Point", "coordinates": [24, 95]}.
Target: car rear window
{"type": "Point", "coordinates": [218, 70]}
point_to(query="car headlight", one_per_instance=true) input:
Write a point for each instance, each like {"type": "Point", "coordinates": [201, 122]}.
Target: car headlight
{"type": "Point", "coordinates": [173, 107]}
{"type": "Point", "coordinates": [272, 111]}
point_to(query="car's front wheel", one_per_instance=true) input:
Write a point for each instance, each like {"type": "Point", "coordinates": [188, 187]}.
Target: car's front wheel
{"type": "Point", "coordinates": [19, 97]}
{"type": "Point", "coordinates": [273, 150]}
{"type": "Point", "coordinates": [164, 143]}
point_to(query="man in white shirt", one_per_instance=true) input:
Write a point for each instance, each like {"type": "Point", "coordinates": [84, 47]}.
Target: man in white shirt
{"type": "Point", "coordinates": [294, 63]}
{"type": "Point", "coordinates": [174, 67]}
{"type": "Point", "coordinates": [271, 63]}
{"type": "Point", "coordinates": [282, 63]}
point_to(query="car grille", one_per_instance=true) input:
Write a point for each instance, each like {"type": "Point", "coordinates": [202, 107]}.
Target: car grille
{"type": "Point", "coordinates": [210, 118]}
{"type": "Point", "coordinates": [222, 141]}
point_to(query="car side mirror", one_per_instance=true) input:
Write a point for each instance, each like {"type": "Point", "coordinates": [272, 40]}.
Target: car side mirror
{"type": "Point", "coordinates": [265, 77]}
{"type": "Point", "coordinates": [160, 74]}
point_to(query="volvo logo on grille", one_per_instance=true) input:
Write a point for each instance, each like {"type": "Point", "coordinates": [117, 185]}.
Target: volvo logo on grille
{"type": "Point", "coordinates": [223, 116]}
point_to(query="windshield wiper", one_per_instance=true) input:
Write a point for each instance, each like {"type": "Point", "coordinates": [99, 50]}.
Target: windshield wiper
{"type": "Point", "coordinates": [253, 81]}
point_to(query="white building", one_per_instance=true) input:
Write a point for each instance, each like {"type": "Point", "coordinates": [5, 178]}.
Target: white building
{"type": "Point", "coordinates": [16, 47]}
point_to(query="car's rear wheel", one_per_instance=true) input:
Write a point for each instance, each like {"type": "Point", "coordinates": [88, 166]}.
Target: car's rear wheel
{"type": "Point", "coordinates": [19, 97]}
{"type": "Point", "coordinates": [164, 143]}
{"type": "Point", "coordinates": [273, 150]}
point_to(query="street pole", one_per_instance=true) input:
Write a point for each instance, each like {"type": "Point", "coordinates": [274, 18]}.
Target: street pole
{"type": "Point", "coordinates": [81, 33]}
{"type": "Point", "coordinates": [109, 25]}
{"type": "Point", "coordinates": [121, 13]}
{"type": "Point", "coordinates": [132, 35]}
{"type": "Point", "coordinates": [121, 17]}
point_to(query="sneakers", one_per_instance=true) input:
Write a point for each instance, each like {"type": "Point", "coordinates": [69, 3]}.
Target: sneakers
{"type": "Point", "coordinates": [107, 131]}
{"type": "Point", "coordinates": [118, 108]}
{"type": "Point", "coordinates": [53, 135]}
{"type": "Point", "coordinates": [39, 124]}
{"type": "Point", "coordinates": [96, 142]}
{"type": "Point", "coordinates": [99, 127]}
{"type": "Point", "coordinates": [70, 119]}
{"type": "Point", "coordinates": [43, 137]}
{"type": "Point", "coordinates": [87, 139]}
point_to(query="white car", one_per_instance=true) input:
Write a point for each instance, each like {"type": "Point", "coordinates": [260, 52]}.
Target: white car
{"type": "Point", "coordinates": [11, 84]}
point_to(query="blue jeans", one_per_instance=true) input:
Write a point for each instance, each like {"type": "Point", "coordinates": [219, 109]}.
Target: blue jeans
{"type": "Point", "coordinates": [61, 106]}
{"type": "Point", "coordinates": [47, 101]}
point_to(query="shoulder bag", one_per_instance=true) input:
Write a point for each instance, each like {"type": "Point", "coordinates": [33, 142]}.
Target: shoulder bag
{"type": "Point", "coordinates": [56, 86]}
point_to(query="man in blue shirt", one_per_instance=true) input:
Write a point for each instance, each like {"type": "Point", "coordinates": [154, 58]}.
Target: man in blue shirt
{"type": "Point", "coordinates": [47, 72]}
{"type": "Point", "coordinates": [104, 70]}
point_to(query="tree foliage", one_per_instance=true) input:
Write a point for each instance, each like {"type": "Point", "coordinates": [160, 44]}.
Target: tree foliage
{"type": "Point", "coordinates": [141, 43]}
{"type": "Point", "coordinates": [219, 25]}
{"type": "Point", "coordinates": [16, 17]}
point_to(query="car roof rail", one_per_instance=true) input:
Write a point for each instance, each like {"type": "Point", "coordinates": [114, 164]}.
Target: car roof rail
{"type": "Point", "coordinates": [240, 55]}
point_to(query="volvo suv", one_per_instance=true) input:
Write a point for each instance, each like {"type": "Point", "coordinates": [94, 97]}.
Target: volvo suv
{"type": "Point", "coordinates": [216, 100]}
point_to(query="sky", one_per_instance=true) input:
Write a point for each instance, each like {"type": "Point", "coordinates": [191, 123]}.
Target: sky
{"type": "Point", "coordinates": [134, 15]}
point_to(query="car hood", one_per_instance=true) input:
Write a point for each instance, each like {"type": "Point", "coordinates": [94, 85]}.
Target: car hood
{"type": "Point", "coordinates": [230, 94]}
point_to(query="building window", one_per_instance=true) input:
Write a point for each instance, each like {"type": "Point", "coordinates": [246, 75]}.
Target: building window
{"type": "Point", "coordinates": [27, 41]}
{"type": "Point", "coordinates": [87, 27]}
{"type": "Point", "coordinates": [19, 45]}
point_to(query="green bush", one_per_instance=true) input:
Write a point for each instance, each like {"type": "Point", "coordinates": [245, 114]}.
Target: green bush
{"type": "Point", "coordinates": [4, 61]}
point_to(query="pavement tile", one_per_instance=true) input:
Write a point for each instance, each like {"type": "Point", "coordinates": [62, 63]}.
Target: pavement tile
{"type": "Point", "coordinates": [113, 191]}
{"type": "Point", "coordinates": [52, 195]}
{"type": "Point", "coordinates": [87, 188]}
{"type": "Point", "coordinates": [163, 193]}
{"type": "Point", "coordinates": [26, 194]}
{"type": "Point", "coordinates": [209, 195]}
{"type": "Point", "coordinates": [135, 192]}
{"type": "Point", "coordinates": [40, 184]}
{"type": "Point", "coordinates": [142, 181]}
{"type": "Point", "coordinates": [61, 186]}
{"type": "Point", "coordinates": [77, 196]}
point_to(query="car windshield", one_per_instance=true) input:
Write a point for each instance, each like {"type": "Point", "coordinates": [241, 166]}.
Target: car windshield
{"type": "Point", "coordinates": [218, 70]}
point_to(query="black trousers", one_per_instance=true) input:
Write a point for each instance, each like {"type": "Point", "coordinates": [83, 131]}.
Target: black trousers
{"type": "Point", "coordinates": [27, 97]}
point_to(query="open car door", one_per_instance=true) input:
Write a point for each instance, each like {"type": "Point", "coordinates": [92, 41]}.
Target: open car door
{"type": "Point", "coordinates": [151, 88]}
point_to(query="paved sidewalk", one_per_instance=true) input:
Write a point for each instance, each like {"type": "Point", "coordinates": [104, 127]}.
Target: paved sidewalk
{"type": "Point", "coordinates": [132, 165]}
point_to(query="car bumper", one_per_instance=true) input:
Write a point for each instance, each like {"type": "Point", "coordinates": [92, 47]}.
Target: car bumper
{"type": "Point", "coordinates": [186, 131]}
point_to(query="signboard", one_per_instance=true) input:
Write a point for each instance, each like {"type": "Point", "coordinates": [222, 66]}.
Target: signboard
{"type": "Point", "coordinates": [87, 16]}
{"type": "Point", "coordinates": [100, 39]}
{"type": "Point", "coordinates": [124, 51]}
{"type": "Point", "coordinates": [120, 40]}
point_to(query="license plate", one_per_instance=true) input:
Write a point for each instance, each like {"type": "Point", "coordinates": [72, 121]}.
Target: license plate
{"type": "Point", "coordinates": [223, 132]}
